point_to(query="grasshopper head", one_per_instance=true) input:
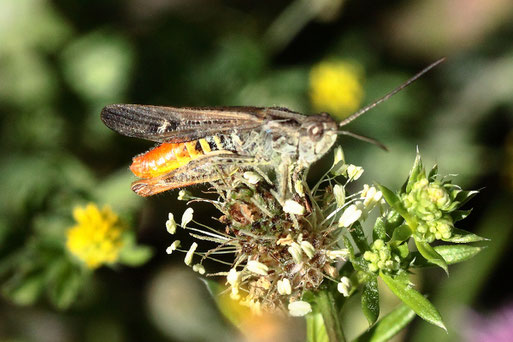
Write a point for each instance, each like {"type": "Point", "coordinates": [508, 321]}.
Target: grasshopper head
{"type": "Point", "coordinates": [318, 133]}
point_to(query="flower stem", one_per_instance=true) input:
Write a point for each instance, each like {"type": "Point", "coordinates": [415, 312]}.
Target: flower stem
{"type": "Point", "coordinates": [326, 304]}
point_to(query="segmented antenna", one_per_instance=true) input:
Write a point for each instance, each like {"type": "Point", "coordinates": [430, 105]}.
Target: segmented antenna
{"type": "Point", "coordinates": [390, 94]}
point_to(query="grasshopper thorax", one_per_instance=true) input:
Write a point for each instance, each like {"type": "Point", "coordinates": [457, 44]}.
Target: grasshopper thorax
{"type": "Point", "coordinates": [318, 133]}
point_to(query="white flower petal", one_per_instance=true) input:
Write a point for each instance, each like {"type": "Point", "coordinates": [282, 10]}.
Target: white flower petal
{"type": "Point", "coordinates": [350, 216]}
{"type": "Point", "coordinates": [284, 287]}
{"type": "Point", "coordinates": [199, 268]}
{"type": "Point", "coordinates": [187, 217]}
{"type": "Point", "coordinates": [233, 277]}
{"type": "Point", "coordinates": [190, 254]}
{"type": "Point", "coordinates": [173, 247]}
{"type": "Point", "coordinates": [299, 308]}
{"type": "Point", "coordinates": [292, 207]}
{"type": "Point", "coordinates": [252, 177]}
{"type": "Point", "coordinates": [295, 251]}
{"type": "Point", "coordinates": [340, 195]}
{"type": "Point", "coordinates": [354, 172]}
{"type": "Point", "coordinates": [308, 248]}
{"type": "Point", "coordinates": [341, 254]}
{"type": "Point", "coordinates": [171, 224]}
{"type": "Point", "coordinates": [257, 267]}
{"type": "Point", "coordinates": [344, 286]}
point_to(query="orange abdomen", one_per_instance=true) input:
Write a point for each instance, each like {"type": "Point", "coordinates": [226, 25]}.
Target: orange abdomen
{"type": "Point", "coordinates": [167, 157]}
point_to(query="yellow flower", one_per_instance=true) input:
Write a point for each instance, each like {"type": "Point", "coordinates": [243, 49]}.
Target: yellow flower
{"type": "Point", "coordinates": [96, 238]}
{"type": "Point", "coordinates": [335, 87]}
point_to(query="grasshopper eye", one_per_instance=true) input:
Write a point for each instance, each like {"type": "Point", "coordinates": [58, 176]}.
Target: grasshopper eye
{"type": "Point", "coordinates": [316, 131]}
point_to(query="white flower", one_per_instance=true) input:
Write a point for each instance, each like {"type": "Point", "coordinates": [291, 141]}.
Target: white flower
{"type": "Point", "coordinates": [370, 196]}
{"type": "Point", "coordinates": [340, 195]}
{"type": "Point", "coordinates": [344, 286]}
{"type": "Point", "coordinates": [295, 251]}
{"type": "Point", "coordinates": [252, 177]}
{"type": "Point", "coordinates": [338, 168]}
{"type": "Point", "coordinates": [354, 172]}
{"type": "Point", "coordinates": [199, 268]}
{"type": "Point", "coordinates": [233, 277]}
{"type": "Point", "coordinates": [173, 247]}
{"type": "Point", "coordinates": [171, 224]}
{"type": "Point", "coordinates": [257, 267]}
{"type": "Point", "coordinates": [184, 195]}
{"type": "Point", "coordinates": [350, 216]}
{"type": "Point", "coordinates": [187, 217]}
{"type": "Point", "coordinates": [190, 254]}
{"type": "Point", "coordinates": [284, 287]}
{"type": "Point", "coordinates": [292, 207]}
{"type": "Point", "coordinates": [338, 254]}
{"type": "Point", "coordinates": [299, 308]}
{"type": "Point", "coordinates": [308, 249]}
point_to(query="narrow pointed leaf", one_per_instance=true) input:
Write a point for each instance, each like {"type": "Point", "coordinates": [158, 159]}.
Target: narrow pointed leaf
{"type": "Point", "coordinates": [431, 255]}
{"type": "Point", "coordinates": [388, 326]}
{"type": "Point", "coordinates": [452, 254]}
{"type": "Point", "coordinates": [415, 172]}
{"type": "Point", "coordinates": [393, 200]}
{"type": "Point", "coordinates": [370, 301]}
{"type": "Point", "coordinates": [401, 287]}
{"type": "Point", "coordinates": [458, 215]}
{"type": "Point", "coordinates": [462, 236]}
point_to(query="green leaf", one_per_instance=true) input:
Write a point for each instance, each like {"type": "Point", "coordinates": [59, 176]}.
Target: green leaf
{"type": "Point", "coordinates": [135, 255]}
{"type": "Point", "coordinates": [394, 201]}
{"type": "Point", "coordinates": [462, 236]}
{"type": "Point", "coordinates": [370, 300]}
{"type": "Point", "coordinates": [359, 237]}
{"type": "Point", "coordinates": [132, 254]}
{"type": "Point", "coordinates": [433, 173]}
{"type": "Point", "coordinates": [24, 291]}
{"type": "Point", "coordinates": [388, 326]}
{"type": "Point", "coordinates": [64, 283]}
{"type": "Point", "coordinates": [465, 196]}
{"type": "Point", "coordinates": [401, 233]}
{"type": "Point", "coordinates": [431, 255]}
{"type": "Point", "coordinates": [401, 287]}
{"type": "Point", "coordinates": [379, 231]}
{"type": "Point", "coordinates": [416, 171]}
{"type": "Point", "coordinates": [392, 221]}
{"type": "Point", "coordinates": [315, 329]}
{"type": "Point", "coordinates": [458, 215]}
{"type": "Point", "coordinates": [452, 254]}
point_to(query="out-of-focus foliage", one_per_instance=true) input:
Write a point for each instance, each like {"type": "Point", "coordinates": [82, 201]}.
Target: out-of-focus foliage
{"type": "Point", "coordinates": [62, 61]}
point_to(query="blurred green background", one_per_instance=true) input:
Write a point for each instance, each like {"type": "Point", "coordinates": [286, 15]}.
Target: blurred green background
{"type": "Point", "coordinates": [62, 61]}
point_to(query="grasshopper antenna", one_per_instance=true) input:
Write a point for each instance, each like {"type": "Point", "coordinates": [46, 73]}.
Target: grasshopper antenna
{"type": "Point", "coordinates": [389, 95]}
{"type": "Point", "coordinates": [364, 138]}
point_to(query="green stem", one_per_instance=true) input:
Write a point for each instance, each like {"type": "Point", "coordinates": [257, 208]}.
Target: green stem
{"type": "Point", "coordinates": [329, 312]}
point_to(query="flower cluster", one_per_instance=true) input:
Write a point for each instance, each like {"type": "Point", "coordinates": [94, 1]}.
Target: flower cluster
{"type": "Point", "coordinates": [336, 87]}
{"type": "Point", "coordinates": [96, 239]}
{"type": "Point", "coordinates": [381, 258]}
{"type": "Point", "coordinates": [431, 202]}
{"type": "Point", "coordinates": [286, 250]}
{"type": "Point", "coordinates": [281, 251]}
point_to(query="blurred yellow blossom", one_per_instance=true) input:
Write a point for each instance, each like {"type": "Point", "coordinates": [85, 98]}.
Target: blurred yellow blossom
{"type": "Point", "coordinates": [336, 87]}
{"type": "Point", "coordinates": [96, 238]}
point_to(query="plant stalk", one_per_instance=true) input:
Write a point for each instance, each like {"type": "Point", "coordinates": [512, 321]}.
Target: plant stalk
{"type": "Point", "coordinates": [326, 304]}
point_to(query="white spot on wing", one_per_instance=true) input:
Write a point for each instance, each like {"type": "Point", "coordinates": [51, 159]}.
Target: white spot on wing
{"type": "Point", "coordinates": [162, 128]}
